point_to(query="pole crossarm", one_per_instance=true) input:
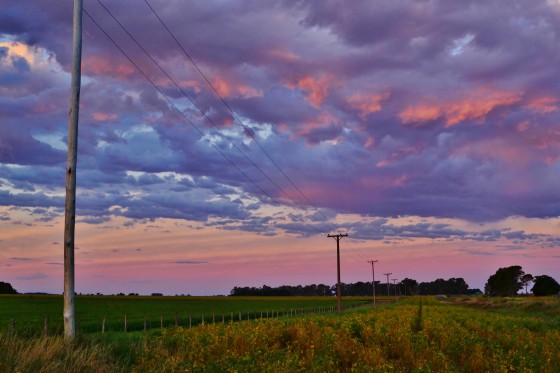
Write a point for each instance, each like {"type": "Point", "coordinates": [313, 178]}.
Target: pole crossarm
{"type": "Point", "coordinates": [388, 284]}
{"type": "Point", "coordinates": [338, 237]}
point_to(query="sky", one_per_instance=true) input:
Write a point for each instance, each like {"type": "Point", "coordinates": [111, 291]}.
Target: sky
{"type": "Point", "coordinates": [221, 141]}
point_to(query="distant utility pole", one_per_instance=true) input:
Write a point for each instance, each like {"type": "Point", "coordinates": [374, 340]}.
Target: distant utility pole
{"type": "Point", "coordinates": [70, 204]}
{"type": "Point", "coordinates": [373, 274]}
{"type": "Point", "coordinates": [388, 274]}
{"type": "Point", "coordinates": [338, 237]}
{"type": "Point", "coordinates": [395, 285]}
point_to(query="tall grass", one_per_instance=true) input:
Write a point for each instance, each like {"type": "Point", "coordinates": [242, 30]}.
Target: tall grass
{"type": "Point", "coordinates": [53, 354]}
{"type": "Point", "coordinates": [413, 335]}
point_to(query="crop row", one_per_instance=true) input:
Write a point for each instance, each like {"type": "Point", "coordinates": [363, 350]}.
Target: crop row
{"type": "Point", "coordinates": [429, 337]}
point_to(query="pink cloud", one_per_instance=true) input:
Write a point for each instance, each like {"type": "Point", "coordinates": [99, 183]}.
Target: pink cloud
{"type": "Point", "coordinates": [317, 89]}
{"type": "Point", "coordinates": [368, 103]}
{"type": "Point", "coordinates": [543, 105]}
{"type": "Point", "coordinates": [104, 117]}
{"type": "Point", "coordinates": [475, 106]}
{"type": "Point", "coordinates": [95, 65]}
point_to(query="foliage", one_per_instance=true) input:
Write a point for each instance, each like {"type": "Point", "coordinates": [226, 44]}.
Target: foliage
{"type": "Point", "coordinates": [453, 286]}
{"type": "Point", "coordinates": [545, 285]}
{"type": "Point", "coordinates": [505, 282]}
{"type": "Point", "coordinates": [53, 354]}
{"type": "Point", "coordinates": [6, 288]}
{"type": "Point", "coordinates": [356, 289]}
{"type": "Point", "coordinates": [525, 279]}
{"type": "Point", "coordinates": [403, 337]}
{"type": "Point", "coordinates": [419, 334]}
{"type": "Point", "coordinates": [409, 286]}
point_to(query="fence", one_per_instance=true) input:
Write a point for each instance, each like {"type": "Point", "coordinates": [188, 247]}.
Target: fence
{"type": "Point", "coordinates": [143, 323]}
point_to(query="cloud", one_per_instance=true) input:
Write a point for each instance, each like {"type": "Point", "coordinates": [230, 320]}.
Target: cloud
{"type": "Point", "coordinates": [189, 262]}
{"type": "Point", "coordinates": [21, 259]}
{"type": "Point", "coordinates": [32, 277]}
{"type": "Point", "coordinates": [439, 110]}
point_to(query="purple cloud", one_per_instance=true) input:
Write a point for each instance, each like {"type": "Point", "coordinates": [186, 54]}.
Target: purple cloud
{"type": "Point", "coordinates": [437, 110]}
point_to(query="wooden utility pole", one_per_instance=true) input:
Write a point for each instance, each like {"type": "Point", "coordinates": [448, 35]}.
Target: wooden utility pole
{"type": "Point", "coordinates": [338, 237]}
{"type": "Point", "coordinates": [70, 206]}
{"type": "Point", "coordinates": [373, 275]}
{"type": "Point", "coordinates": [388, 274]}
{"type": "Point", "coordinates": [395, 286]}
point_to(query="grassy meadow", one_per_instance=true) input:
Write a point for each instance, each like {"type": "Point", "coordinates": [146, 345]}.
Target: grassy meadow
{"type": "Point", "coordinates": [463, 334]}
{"type": "Point", "coordinates": [29, 311]}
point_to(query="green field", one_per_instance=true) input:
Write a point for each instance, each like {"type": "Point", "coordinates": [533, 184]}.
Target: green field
{"type": "Point", "coordinates": [417, 334]}
{"type": "Point", "coordinates": [29, 311]}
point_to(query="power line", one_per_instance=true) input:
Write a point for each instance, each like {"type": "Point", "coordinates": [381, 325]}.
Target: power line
{"type": "Point", "coordinates": [200, 109]}
{"type": "Point", "coordinates": [202, 133]}
{"type": "Point", "coordinates": [247, 130]}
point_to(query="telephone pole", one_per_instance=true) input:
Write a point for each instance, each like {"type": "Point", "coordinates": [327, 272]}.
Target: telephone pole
{"type": "Point", "coordinates": [395, 285]}
{"type": "Point", "coordinates": [70, 204]}
{"type": "Point", "coordinates": [373, 275]}
{"type": "Point", "coordinates": [338, 237]}
{"type": "Point", "coordinates": [388, 274]}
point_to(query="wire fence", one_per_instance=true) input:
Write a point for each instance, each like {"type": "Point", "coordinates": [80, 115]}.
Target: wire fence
{"type": "Point", "coordinates": [148, 322]}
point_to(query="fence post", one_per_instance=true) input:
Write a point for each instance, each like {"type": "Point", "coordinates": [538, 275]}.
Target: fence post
{"type": "Point", "coordinates": [223, 319]}
{"type": "Point", "coordinates": [144, 323]}
{"type": "Point", "coordinates": [239, 315]}
{"type": "Point", "coordinates": [46, 326]}
{"type": "Point", "coordinates": [160, 321]}
{"type": "Point", "coordinates": [125, 323]}
{"type": "Point", "coordinates": [231, 318]}
{"type": "Point", "coordinates": [212, 318]}
{"type": "Point", "coordinates": [202, 319]}
{"type": "Point", "coordinates": [12, 327]}
{"type": "Point", "coordinates": [176, 319]}
{"type": "Point", "coordinates": [103, 325]}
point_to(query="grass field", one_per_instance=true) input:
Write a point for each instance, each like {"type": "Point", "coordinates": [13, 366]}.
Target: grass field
{"type": "Point", "coordinates": [29, 311]}
{"type": "Point", "coordinates": [422, 334]}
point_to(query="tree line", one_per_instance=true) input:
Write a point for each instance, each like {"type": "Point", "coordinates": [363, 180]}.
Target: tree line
{"type": "Point", "coordinates": [407, 286]}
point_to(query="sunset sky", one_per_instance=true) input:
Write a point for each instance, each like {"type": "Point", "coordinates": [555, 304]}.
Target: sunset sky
{"type": "Point", "coordinates": [428, 130]}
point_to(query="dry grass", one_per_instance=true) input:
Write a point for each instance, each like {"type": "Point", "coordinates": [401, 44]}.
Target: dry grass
{"type": "Point", "coordinates": [53, 354]}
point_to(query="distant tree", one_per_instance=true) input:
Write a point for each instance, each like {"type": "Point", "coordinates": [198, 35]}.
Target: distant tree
{"type": "Point", "coordinates": [505, 282]}
{"type": "Point", "coordinates": [545, 285]}
{"type": "Point", "coordinates": [525, 279]}
{"type": "Point", "coordinates": [6, 288]}
{"type": "Point", "coordinates": [452, 286]}
{"type": "Point", "coordinates": [409, 286]}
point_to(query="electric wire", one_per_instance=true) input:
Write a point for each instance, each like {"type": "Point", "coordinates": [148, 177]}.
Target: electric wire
{"type": "Point", "coordinates": [202, 133]}
{"type": "Point", "coordinates": [200, 109]}
{"type": "Point", "coordinates": [246, 129]}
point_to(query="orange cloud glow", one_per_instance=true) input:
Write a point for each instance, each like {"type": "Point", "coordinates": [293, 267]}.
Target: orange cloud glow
{"type": "Point", "coordinates": [367, 104]}
{"type": "Point", "coordinates": [543, 105]}
{"type": "Point", "coordinates": [103, 117]}
{"type": "Point", "coordinates": [227, 88]}
{"type": "Point", "coordinates": [317, 89]}
{"type": "Point", "coordinates": [475, 107]}
{"type": "Point", "coordinates": [284, 55]}
{"type": "Point", "coordinates": [98, 66]}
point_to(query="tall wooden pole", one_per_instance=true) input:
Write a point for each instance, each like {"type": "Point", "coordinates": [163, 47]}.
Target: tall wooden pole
{"type": "Point", "coordinates": [70, 206]}
{"type": "Point", "coordinates": [373, 275]}
{"type": "Point", "coordinates": [338, 237]}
